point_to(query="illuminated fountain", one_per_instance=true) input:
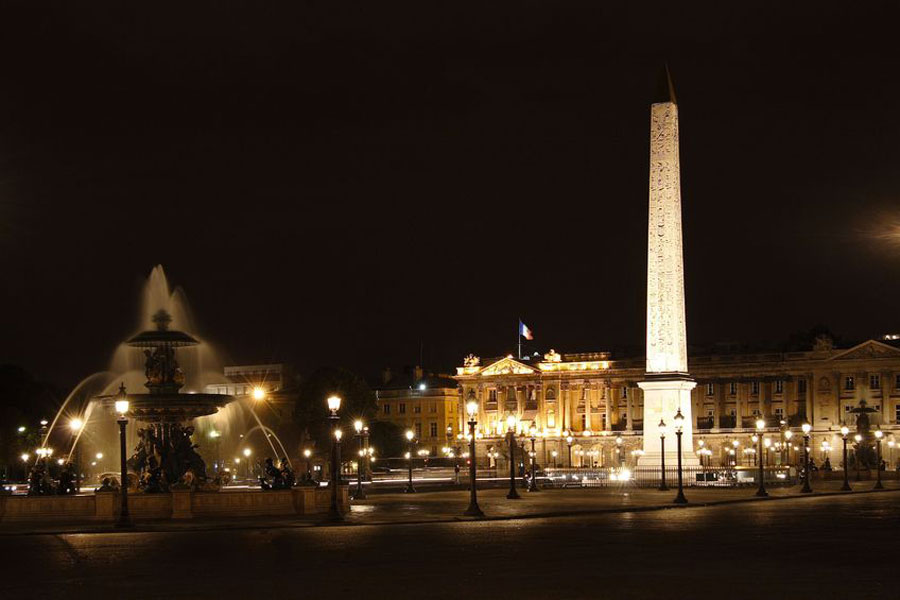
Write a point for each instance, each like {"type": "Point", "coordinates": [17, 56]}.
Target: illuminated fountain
{"type": "Point", "coordinates": [165, 452]}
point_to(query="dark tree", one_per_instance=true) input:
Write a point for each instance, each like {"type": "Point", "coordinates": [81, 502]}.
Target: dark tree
{"type": "Point", "coordinates": [387, 439]}
{"type": "Point", "coordinates": [311, 415]}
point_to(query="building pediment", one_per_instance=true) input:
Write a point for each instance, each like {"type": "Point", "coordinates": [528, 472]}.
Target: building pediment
{"type": "Point", "coordinates": [869, 349]}
{"type": "Point", "coordinates": [507, 366]}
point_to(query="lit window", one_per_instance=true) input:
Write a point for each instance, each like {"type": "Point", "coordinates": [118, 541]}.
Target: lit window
{"type": "Point", "coordinates": [710, 389]}
{"type": "Point", "coordinates": [849, 383]}
{"type": "Point", "coordinates": [732, 388]}
{"type": "Point", "coordinates": [624, 392]}
{"type": "Point", "coordinates": [434, 430]}
{"type": "Point", "coordinates": [875, 382]}
{"type": "Point", "coordinates": [402, 409]}
{"type": "Point", "coordinates": [779, 386]}
{"type": "Point", "coordinates": [387, 409]}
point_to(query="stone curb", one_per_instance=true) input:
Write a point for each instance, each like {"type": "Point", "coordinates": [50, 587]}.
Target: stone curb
{"type": "Point", "coordinates": [218, 526]}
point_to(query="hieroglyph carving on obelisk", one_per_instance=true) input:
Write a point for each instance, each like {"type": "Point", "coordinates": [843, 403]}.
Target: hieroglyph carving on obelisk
{"type": "Point", "coordinates": [666, 330]}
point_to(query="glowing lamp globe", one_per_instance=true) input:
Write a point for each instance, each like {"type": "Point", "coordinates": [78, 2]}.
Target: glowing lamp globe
{"type": "Point", "coordinates": [358, 425]}
{"type": "Point", "coordinates": [307, 453]}
{"type": "Point", "coordinates": [76, 424]}
{"type": "Point", "coordinates": [788, 434]}
{"type": "Point", "coordinates": [122, 407]}
{"type": "Point", "coordinates": [338, 434]}
{"type": "Point", "coordinates": [845, 430]}
{"type": "Point", "coordinates": [471, 408]}
{"type": "Point", "coordinates": [857, 437]}
{"type": "Point", "coordinates": [259, 393]}
{"type": "Point", "coordinates": [879, 434]}
{"type": "Point", "coordinates": [334, 403]}
{"type": "Point", "coordinates": [409, 434]}
{"type": "Point", "coordinates": [511, 422]}
{"type": "Point", "coordinates": [806, 428]}
{"type": "Point", "coordinates": [247, 452]}
{"type": "Point", "coordinates": [760, 424]}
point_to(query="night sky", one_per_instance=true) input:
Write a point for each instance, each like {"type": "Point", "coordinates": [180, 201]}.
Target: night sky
{"type": "Point", "coordinates": [337, 182]}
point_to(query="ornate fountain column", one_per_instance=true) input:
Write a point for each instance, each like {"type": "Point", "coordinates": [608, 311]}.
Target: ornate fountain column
{"type": "Point", "coordinates": [667, 387]}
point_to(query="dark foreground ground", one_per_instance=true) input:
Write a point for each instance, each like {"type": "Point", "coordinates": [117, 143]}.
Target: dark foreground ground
{"type": "Point", "coordinates": [821, 547]}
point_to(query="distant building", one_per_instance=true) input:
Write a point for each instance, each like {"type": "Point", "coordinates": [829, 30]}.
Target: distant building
{"type": "Point", "coordinates": [274, 381]}
{"type": "Point", "coordinates": [427, 404]}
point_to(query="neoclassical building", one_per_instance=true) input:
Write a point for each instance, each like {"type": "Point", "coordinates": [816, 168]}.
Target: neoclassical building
{"type": "Point", "coordinates": [597, 400]}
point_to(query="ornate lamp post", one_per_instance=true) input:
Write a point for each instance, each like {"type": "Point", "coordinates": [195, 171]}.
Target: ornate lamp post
{"type": "Point", "coordinates": [858, 439]}
{"type": "Point", "coordinates": [473, 510]}
{"type": "Point", "coordinates": [122, 409]}
{"type": "Point", "coordinates": [307, 454]}
{"type": "Point", "coordinates": [569, 440]}
{"type": "Point", "coordinates": [806, 487]}
{"type": "Point", "coordinates": [761, 490]}
{"type": "Point", "coordinates": [679, 430]}
{"type": "Point", "coordinates": [532, 483]}
{"type": "Point", "coordinates": [878, 435]}
{"type": "Point", "coordinates": [409, 454]}
{"type": "Point", "coordinates": [619, 442]}
{"type": "Point", "coordinates": [360, 493]}
{"type": "Point", "coordinates": [788, 434]}
{"type": "Point", "coordinates": [662, 456]}
{"type": "Point", "coordinates": [511, 437]}
{"type": "Point", "coordinates": [554, 454]}
{"type": "Point", "coordinates": [334, 512]}
{"type": "Point", "coordinates": [846, 487]}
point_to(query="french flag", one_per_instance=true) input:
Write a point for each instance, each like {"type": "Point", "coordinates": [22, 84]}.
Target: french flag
{"type": "Point", "coordinates": [524, 331]}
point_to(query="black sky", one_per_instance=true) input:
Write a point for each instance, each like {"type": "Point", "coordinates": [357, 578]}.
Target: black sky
{"type": "Point", "coordinates": [332, 182]}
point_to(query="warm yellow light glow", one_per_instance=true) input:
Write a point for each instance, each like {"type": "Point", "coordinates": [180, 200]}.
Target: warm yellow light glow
{"type": "Point", "coordinates": [845, 430]}
{"type": "Point", "coordinates": [334, 403]}
{"type": "Point", "coordinates": [407, 455]}
{"type": "Point", "coordinates": [767, 442]}
{"type": "Point", "coordinates": [76, 424]}
{"type": "Point", "coordinates": [122, 406]}
{"type": "Point", "coordinates": [259, 393]}
{"type": "Point", "coordinates": [248, 452]}
{"type": "Point", "coordinates": [25, 457]}
{"type": "Point", "coordinates": [471, 408]}
{"type": "Point", "coordinates": [338, 434]}
{"type": "Point", "coordinates": [358, 425]}
{"type": "Point", "coordinates": [307, 453]}
{"type": "Point", "coordinates": [857, 437]}
{"type": "Point", "coordinates": [511, 422]}
{"type": "Point", "coordinates": [99, 455]}
{"type": "Point", "coordinates": [735, 443]}
{"type": "Point", "coordinates": [788, 434]}
{"type": "Point", "coordinates": [806, 427]}
{"type": "Point", "coordinates": [237, 460]}
{"type": "Point", "coordinates": [410, 435]}
{"type": "Point", "coordinates": [760, 424]}
{"type": "Point", "coordinates": [879, 434]}
{"type": "Point", "coordinates": [569, 439]}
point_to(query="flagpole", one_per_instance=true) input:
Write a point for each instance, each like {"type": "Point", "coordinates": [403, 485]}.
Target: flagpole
{"type": "Point", "coordinates": [520, 338]}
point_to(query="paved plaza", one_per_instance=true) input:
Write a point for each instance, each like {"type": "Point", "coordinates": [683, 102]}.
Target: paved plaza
{"type": "Point", "coordinates": [825, 546]}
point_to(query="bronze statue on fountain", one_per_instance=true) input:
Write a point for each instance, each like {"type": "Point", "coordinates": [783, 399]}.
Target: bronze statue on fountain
{"type": "Point", "coordinates": [165, 455]}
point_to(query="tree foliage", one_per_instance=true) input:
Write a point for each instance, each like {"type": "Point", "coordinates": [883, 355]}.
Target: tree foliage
{"type": "Point", "coordinates": [312, 415]}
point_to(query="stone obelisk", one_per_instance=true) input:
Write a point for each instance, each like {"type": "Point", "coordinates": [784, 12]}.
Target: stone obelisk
{"type": "Point", "coordinates": [667, 385]}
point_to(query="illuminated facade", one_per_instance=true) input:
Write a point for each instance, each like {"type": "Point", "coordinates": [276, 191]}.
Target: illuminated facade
{"type": "Point", "coordinates": [426, 404]}
{"type": "Point", "coordinates": [599, 401]}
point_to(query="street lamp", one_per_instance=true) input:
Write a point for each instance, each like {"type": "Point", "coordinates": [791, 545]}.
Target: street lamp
{"type": "Point", "coordinates": [360, 432]}
{"type": "Point", "coordinates": [409, 454]}
{"type": "Point", "coordinates": [554, 454]}
{"type": "Point", "coordinates": [735, 444]}
{"type": "Point", "coordinates": [334, 405]}
{"type": "Point", "coordinates": [679, 430]}
{"type": "Point", "coordinates": [619, 442]}
{"type": "Point", "coordinates": [846, 487]}
{"type": "Point", "coordinates": [122, 408]}
{"type": "Point", "coordinates": [569, 440]}
{"type": "Point", "coordinates": [662, 456]}
{"type": "Point", "coordinates": [532, 483]}
{"type": "Point", "coordinates": [806, 487]}
{"type": "Point", "coordinates": [858, 439]}
{"type": "Point", "coordinates": [788, 434]}
{"type": "Point", "coordinates": [259, 393]}
{"type": "Point", "coordinates": [760, 428]}
{"type": "Point", "coordinates": [473, 510]}
{"type": "Point", "coordinates": [307, 453]}
{"type": "Point", "coordinates": [511, 437]}
{"type": "Point", "coordinates": [878, 435]}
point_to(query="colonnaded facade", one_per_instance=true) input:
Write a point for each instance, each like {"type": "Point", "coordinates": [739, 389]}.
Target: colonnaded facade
{"type": "Point", "coordinates": [597, 400]}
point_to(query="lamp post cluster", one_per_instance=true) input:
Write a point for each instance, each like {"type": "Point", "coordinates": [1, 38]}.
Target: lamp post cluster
{"type": "Point", "coordinates": [334, 511]}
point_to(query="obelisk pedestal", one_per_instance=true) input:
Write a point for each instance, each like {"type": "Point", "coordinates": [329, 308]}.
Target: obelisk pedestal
{"type": "Point", "coordinates": [667, 387]}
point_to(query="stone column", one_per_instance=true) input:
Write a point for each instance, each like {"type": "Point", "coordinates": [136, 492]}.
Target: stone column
{"type": "Point", "coordinates": [739, 404]}
{"type": "Point", "coordinates": [629, 421]}
{"type": "Point", "coordinates": [719, 389]}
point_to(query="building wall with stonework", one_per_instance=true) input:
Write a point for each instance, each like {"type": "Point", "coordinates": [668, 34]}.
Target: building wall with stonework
{"type": "Point", "coordinates": [428, 405]}
{"type": "Point", "coordinates": [598, 402]}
